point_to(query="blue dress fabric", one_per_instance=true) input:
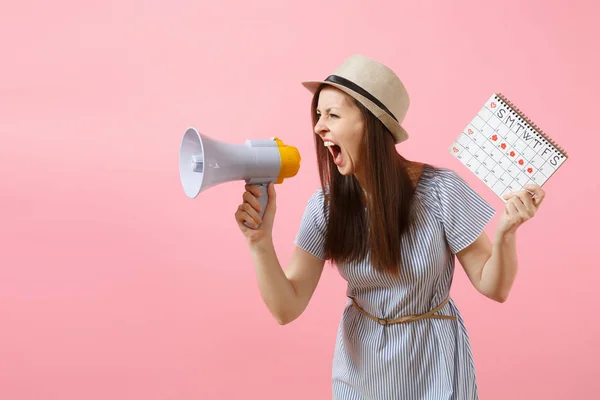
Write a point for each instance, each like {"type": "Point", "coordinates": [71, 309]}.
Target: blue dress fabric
{"type": "Point", "coordinates": [427, 359]}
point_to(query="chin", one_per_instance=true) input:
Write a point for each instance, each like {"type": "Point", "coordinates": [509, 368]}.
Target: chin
{"type": "Point", "coordinates": [344, 170]}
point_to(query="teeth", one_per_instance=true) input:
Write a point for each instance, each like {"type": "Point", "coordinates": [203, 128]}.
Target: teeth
{"type": "Point", "coordinates": [328, 144]}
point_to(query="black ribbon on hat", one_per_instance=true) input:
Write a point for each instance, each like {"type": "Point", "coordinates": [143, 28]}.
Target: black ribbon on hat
{"type": "Point", "coordinates": [353, 86]}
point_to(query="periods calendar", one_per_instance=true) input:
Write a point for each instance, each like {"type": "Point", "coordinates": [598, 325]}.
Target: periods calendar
{"type": "Point", "coordinates": [505, 149]}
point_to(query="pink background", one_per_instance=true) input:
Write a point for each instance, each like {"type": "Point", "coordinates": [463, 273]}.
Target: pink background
{"type": "Point", "coordinates": [113, 284]}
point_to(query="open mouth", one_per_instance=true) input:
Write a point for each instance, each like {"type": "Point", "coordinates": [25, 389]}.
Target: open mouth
{"type": "Point", "coordinates": [335, 151]}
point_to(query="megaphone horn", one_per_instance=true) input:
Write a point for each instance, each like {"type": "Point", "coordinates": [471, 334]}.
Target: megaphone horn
{"type": "Point", "coordinates": [206, 162]}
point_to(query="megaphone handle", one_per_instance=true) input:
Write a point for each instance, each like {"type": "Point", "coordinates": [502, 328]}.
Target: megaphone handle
{"type": "Point", "coordinates": [262, 200]}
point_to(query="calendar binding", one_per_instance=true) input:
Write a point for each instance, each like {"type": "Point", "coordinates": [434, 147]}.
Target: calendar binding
{"type": "Point", "coordinates": [513, 108]}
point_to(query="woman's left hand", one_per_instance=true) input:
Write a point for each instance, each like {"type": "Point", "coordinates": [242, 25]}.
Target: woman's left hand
{"type": "Point", "coordinates": [520, 207]}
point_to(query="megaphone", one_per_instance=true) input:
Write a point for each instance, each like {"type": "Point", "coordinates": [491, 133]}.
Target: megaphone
{"type": "Point", "coordinates": [206, 162]}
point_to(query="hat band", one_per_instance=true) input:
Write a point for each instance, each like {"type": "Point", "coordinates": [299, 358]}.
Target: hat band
{"type": "Point", "coordinates": [353, 86]}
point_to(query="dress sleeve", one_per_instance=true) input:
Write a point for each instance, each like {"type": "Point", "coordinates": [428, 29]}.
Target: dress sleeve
{"type": "Point", "coordinates": [311, 233]}
{"type": "Point", "coordinates": [463, 212]}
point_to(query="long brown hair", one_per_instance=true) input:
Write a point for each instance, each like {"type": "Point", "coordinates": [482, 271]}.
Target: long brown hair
{"type": "Point", "coordinates": [360, 225]}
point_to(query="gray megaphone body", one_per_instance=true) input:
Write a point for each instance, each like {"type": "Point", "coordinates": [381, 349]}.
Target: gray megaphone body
{"type": "Point", "coordinates": [206, 162]}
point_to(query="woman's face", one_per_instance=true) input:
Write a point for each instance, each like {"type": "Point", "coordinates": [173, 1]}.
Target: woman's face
{"type": "Point", "coordinates": [341, 127]}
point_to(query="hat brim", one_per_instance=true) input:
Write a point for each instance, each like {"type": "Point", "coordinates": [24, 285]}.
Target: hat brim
{"type": "Point", "coordinates": [397, 131]}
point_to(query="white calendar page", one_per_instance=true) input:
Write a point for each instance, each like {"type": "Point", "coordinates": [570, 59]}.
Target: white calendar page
{"type": "Point", "coordinates": [504, 150]}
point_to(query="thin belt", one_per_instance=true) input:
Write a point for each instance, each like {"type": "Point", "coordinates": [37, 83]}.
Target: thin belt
{"type": "Point", "coordinates": [407, 318]}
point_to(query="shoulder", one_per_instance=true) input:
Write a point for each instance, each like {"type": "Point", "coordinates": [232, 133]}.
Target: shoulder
{"type": "Point", "coordinates": [451, 191]}
{"type": "Point", "coordinates": [444, 179]}
{"type": "Point", "coordinates": [317, 197]}
{"type": "Point", "coordinates": [317, 202]}
{"type": "Point", "coordinates": [445, 175]}
{"type": "Point", "coordinates": [454, 193]}
{"type": "Point", "coordinates": [441, 178]}
{"type": "Point", "coordinates": [314, 219]}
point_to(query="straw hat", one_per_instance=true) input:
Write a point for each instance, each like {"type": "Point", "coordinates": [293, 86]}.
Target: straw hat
{"type": "Point", "coordinates": [375, 86]}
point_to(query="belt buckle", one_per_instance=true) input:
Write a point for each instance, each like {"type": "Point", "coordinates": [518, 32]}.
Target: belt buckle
{"type": "Point", "coordinates": [382, 321]}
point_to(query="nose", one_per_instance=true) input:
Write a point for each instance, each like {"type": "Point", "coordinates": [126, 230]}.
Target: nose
{"type": "Point", "coordinates": [320, 127]}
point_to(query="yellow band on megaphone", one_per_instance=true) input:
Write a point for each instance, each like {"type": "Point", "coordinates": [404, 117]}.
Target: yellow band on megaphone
{"type": "Point", "coordinates": [290, 160]}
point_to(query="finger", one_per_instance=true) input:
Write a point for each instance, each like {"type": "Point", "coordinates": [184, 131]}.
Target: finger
{"type": "Point", "coordinates": [242, 216]}
{"type": "Point", "coordinates": [245, 213]}
{"type": "Point", "coordinates": [523, 214]}
{"type": "Point", "coordinates": [271, 190]}
{"type": "Point", "coordinates": [252, 200]}
{"type": "Point", "coordinates": [252, 213]}
{"type": "Point", "coordinates": [538, 193]}
{"type": "Point", "coordinates": [536, 197]}
{"type": "Point", "coordinates": [527, 201]}
{"type": "Point", "coordinates": [271, 203]}
{"type": "Point", "coordinates": [244, 221]}
{"type": "Point", "coordinates": [511, 210]}
{"type": "Point", "coordinates": [255, 190]}
{"type": "Point", "coordinates": [509, 195]}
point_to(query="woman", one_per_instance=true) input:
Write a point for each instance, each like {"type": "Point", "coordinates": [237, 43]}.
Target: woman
{"type": "Point", "coordinates": [393, 228]}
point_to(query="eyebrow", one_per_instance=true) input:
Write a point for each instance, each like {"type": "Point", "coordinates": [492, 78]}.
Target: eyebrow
{"type": "Point", "coordinates": [328, 109]}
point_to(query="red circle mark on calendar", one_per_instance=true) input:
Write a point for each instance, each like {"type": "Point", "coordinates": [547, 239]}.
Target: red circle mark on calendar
{"type": "Point", "coordinates": [493, 105]}
{"type": "Point", "coordinates": [512, 153]}
{"type": "Point", "coordinates": [503, 145]}
{"type": "Point", "coordinates": [455, 149]}
{"type": "Point", "coordinates": [495, 137]}
{"type": "Point", "coordinates": [530, 170]}
{"type": "Point", "coordinates": [470, 132]}
{"type": "Point", "coordinates": [521, 162]}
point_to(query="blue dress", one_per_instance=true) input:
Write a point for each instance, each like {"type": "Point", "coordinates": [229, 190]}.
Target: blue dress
{"type": "Point", "coordinates": [427, 359]}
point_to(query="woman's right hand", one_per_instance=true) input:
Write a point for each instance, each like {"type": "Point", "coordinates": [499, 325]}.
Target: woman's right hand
{"type": "Point", "coordinates": [248, 211]}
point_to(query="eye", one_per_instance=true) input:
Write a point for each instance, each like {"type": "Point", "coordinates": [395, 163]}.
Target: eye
{"type": "Point", "coordinates": [333, 115]}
